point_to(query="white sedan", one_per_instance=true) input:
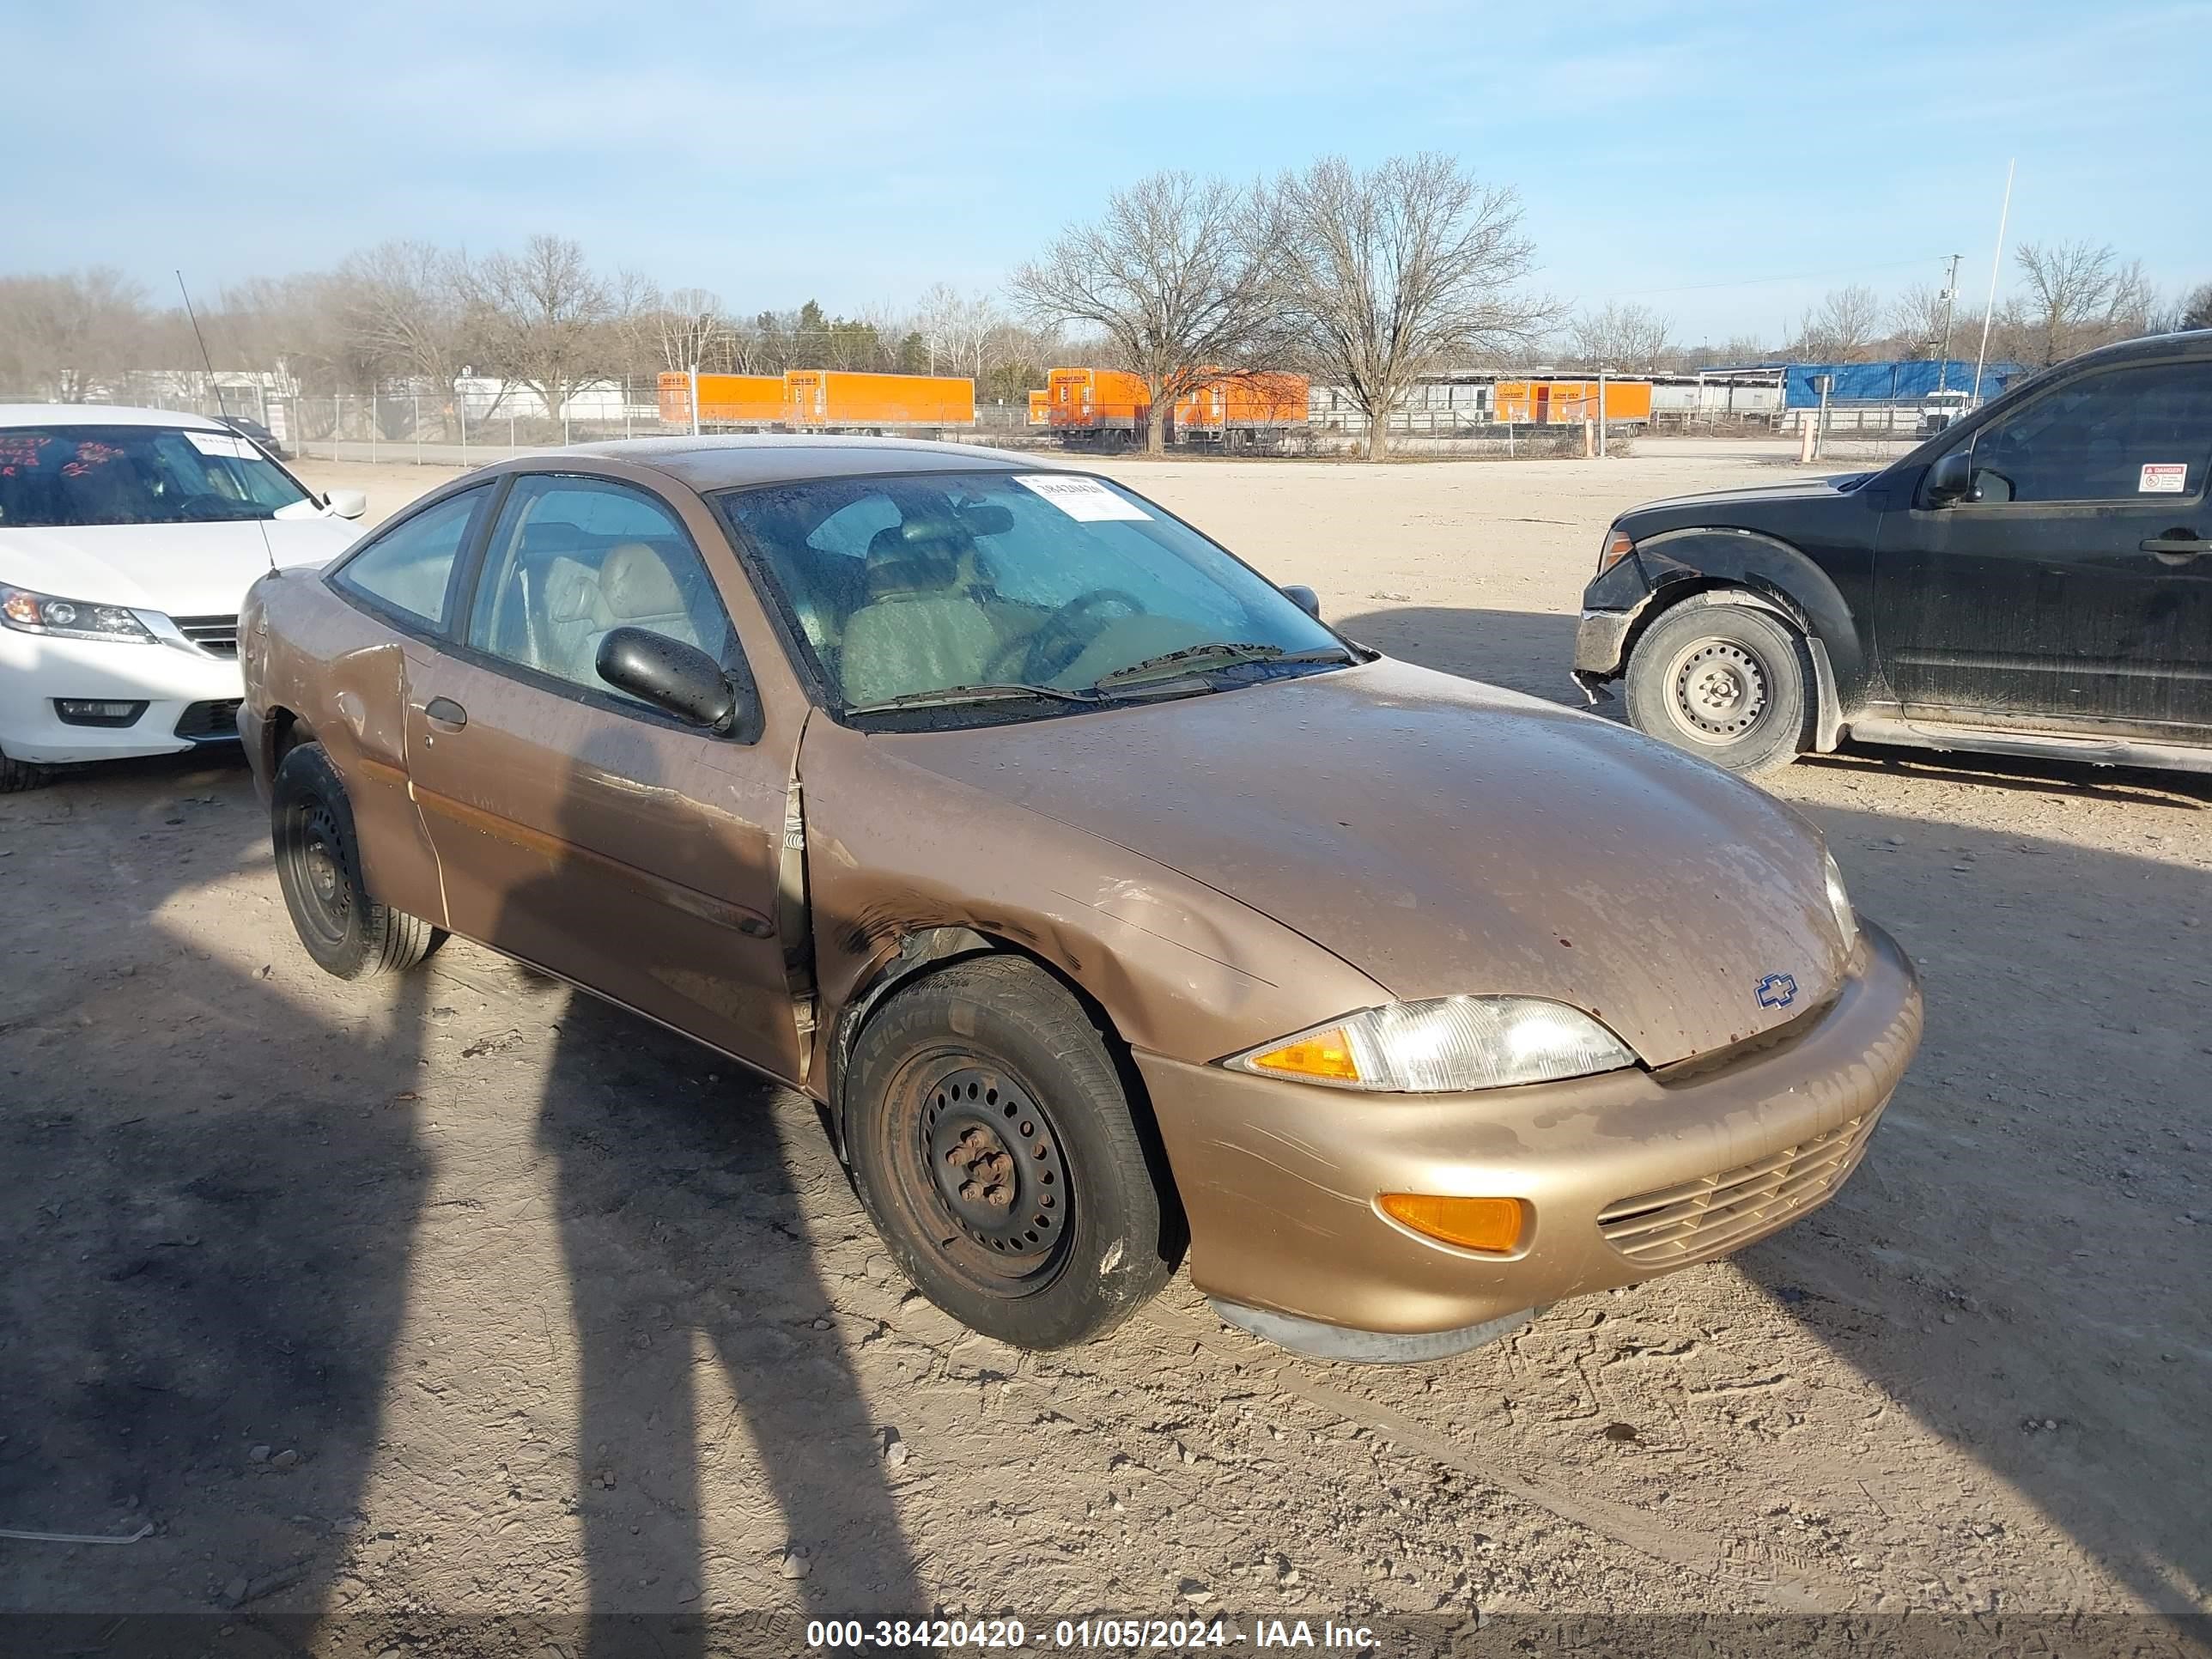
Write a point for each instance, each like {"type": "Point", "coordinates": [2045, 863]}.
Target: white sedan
{"type": "Point", "coordinates": [128, 539]}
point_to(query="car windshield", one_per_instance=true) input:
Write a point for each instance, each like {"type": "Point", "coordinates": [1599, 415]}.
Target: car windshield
{"type": "Point", "coordinates": [1046, 588]}
{"type": "Point", "coordinates": [110, 475]}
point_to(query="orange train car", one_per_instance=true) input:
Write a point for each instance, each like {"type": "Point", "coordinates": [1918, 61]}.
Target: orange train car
{"type": "Point", "coordinates": [724, 399]}
{"type": "Point", "coordinates": [1096, 399]}
{"type": "Point", "coordinates": [1244, 402]}
{"type": "Point", "coordinates": [1563, 403]}
{"type": "Point", "coordinates": [840, 398]}
{"type": "Point", "coordinates": [1040, 408]}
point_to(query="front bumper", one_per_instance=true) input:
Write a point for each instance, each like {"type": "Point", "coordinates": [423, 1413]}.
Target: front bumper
{"type": "Point", "coordinates": [1279, 1179]}
{"type": "Point", "coordinates": [1601, 648]}
{"type": "Point", "coordinates": [175, 682]}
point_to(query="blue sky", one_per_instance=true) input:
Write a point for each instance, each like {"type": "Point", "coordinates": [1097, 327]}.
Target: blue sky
{"type": "Point", "coordinates": [1676, 154]}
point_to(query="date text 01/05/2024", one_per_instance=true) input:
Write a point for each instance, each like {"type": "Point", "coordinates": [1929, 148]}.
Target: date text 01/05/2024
{"type": "Point", "coordinates": [1106, 1634]}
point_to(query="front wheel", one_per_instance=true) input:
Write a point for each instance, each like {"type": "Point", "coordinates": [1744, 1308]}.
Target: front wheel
{"type": "Point", "coordinates": [996, 1151]}
{"type": "Point", "coordinates": [1726, 681]}
{"type": "Point", "coordinates": [16, 776]}
{"type": "Point", "coordinates": [347, 931]}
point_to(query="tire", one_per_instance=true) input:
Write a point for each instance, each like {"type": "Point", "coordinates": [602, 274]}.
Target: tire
{"type": "Point", "coordinates": [18, 775]}
{"type": "Point", "coordinates": [1723, 681]}
{"type": "Point", "coordinates": [345, 930]}
{"type": "Point", "coordinates": [993, 1146]}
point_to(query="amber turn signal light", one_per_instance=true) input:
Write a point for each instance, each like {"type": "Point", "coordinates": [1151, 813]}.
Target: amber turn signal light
{"type": "Point", "coordinates": [1617, 548]}
{"type": "Point", "coordinates": [1494, 1226]}
{"type": "Point", "coordinates": [1325, 1054]}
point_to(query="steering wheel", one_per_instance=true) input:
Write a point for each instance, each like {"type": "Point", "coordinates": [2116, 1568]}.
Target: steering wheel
{"type": "Point", "coordinates": [206, 507]}
{"type": "Point", "coordinates": [1059, 640]}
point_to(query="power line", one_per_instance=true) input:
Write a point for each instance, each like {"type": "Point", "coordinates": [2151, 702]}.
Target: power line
{"type": "Point", "coordinates": [1762, 282]}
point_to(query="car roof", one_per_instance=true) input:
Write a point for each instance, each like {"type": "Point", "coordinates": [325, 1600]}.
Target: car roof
{"type": "Point", "coordinates": [2192, 343]}
{"type": "Point", "coordinates": [735, 462]}
{"type": "Point", "coordinates": [99, 415]}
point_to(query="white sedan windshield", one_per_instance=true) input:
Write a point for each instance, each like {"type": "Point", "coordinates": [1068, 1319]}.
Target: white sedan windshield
{"type": "Point", "coordinates": [109, 475]}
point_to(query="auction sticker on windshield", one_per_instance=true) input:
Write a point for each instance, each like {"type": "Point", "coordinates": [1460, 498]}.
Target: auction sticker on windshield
{"type": "Point", "coordinates": [221, 443]}
{"type": "Point", "coordinates": [1082, 498]}
{"type": "Point", "coordinates": [2163, 478]}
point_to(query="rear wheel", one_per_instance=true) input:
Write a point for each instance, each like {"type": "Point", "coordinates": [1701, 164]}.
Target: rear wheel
{"type": "Point", "coordinates": [996, 1149]}
{"type": "Point", "coordinates": [16, 774]}
{"type": "Point", "coordinates": [1729, 682]}
{"type": "Point", "coordinates": [347, 932]}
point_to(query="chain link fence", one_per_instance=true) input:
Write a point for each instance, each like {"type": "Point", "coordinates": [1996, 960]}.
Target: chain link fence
{"type": "Point", "coordinates": [475, 420]}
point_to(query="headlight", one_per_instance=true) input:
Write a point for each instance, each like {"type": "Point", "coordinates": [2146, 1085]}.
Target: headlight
{"type": "Point", "coordinates": [1444, 1046]}
{"type": "Point", "coordinates": [71, 619]}
{"type": "Point", "coordinates": [1840, 902]}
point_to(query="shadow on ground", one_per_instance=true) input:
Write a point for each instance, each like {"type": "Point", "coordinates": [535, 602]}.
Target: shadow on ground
{"type": "Point", "coordinates": [217, 1174]}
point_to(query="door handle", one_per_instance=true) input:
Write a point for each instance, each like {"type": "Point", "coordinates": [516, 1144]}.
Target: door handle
{"type": "Point", "coordinates": [2176, 547]}
{"type": "Point", "coordinates": [445, 713]}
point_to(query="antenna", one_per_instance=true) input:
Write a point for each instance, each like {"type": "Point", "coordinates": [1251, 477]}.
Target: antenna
{"type": "Point", "coordinates": [196, 335]}
{"type": "Point", "coordinates": [267, 548]}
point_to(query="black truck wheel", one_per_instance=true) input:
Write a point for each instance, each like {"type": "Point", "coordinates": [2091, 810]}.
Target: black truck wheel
{"type": "Point", "coordinates": [1729, 682]}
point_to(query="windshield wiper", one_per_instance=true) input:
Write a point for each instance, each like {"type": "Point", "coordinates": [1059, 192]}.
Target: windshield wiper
{"type": "Point", "coordinates": [1218, 653]}
{"type": "Point", "coordinates": [989, 691]}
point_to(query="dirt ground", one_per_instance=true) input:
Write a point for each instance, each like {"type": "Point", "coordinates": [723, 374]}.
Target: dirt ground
{"type": "Point", "coordinates": [388, 1307]}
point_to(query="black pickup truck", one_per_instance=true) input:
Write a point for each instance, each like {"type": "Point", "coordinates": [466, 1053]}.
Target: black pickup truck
{"type": "Point", "coordinates": [2036, 579]}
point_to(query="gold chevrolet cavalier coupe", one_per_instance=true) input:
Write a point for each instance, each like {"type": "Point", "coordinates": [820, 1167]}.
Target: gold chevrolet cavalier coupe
{"type": "Point", "coordinates": [1108, 903]}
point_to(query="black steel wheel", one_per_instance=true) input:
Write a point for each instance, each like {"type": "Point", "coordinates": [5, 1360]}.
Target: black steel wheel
{"type": "Point", "coordinates": [996, 1149]}
{"type": "Point", "coordinates": [345, 928]}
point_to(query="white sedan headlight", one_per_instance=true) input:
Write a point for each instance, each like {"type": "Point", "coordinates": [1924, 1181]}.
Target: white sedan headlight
{"type": "Point", "coordinates": [70, 619]}
{"type": "Point", "coordinates": [1840, 903]}
{"type": "Point", "coordinates": [1444, 1046]}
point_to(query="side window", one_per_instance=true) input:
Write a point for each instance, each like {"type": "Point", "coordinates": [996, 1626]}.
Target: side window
{"type": "Point", "coordinates": [571, 560]}
{"type": "Point", "coordinates": [2122, 435]}
{"type": "Point", "coordinates": [407, 568]}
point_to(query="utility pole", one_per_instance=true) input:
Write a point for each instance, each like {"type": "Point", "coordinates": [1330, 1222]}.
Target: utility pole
{"type": "Point", "coordinates": [1950, 299]}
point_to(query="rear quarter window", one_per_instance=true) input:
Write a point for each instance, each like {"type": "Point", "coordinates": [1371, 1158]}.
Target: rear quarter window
{"type": "Point", "coordinates": [408, 569]}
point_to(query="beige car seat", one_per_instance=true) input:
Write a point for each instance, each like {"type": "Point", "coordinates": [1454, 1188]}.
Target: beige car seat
{"type": "Point", "coordinates": [922, 629]}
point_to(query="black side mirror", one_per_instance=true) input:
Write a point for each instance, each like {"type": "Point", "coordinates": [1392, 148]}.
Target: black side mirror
{"type": "Point", "coordinates": [1305, 598]}
{"type": "Point", "coordinates": [1952, 478]}
{"type": "Point", "coordinates": [680, 678]}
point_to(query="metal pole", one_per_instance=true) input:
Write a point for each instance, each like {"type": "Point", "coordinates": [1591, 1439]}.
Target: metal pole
{"type": "Point", "coordinates": [414, 420]}
{"type": "Point", "coordinates": [461, 406]}
{"type": "Point", "coordinates": [372, 423]}
{"type": "Point", "coordinates": [1601, 414]}
{"type": "Point", "coordinates": [1996, 258]}
{"type": "Point", "coordinates": [1950, 302]}
{"type": "Point", "coordinates": [694, 400]}
{"type": "Point", "coordinates": [1820, 431]}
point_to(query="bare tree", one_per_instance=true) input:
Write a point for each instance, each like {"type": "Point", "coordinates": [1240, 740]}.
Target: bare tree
{"type": "Point", "coordinates": [1843, 328]}
{"type": "Point", "coordinates": [70, 334]}
{"type": "Point", "coordinates": [2196, 310]}
{"type": "Point", "coordinates": [1917, 318]}
{"type": "Point", "coordinates": [1175, 275]}
{"type": "Point", "coordinates": [1404, 270]}
{"type": "Point", "coordinates": [692, 328]}
{"type": "Point", "coordinates": [1619, 336]}
{"type": "Point", "coordinates": [403, 307]}
{"type": "Point", "coordinates": [403, 310]}
{"type": "Point", "coordinates": [536, 316]}
{"type": "Point", "coordinates": [959, 330]}
{"type": "Point", "coordinates": [2077, 296]}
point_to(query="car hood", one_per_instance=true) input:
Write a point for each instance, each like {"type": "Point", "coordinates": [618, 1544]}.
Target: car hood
{"type": "Point", "coordinates": [1446, 837]}
{"type": "Point", "coordinates": [184, 569]}
{"type": "Point", "coordinates": [1714, 505]}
